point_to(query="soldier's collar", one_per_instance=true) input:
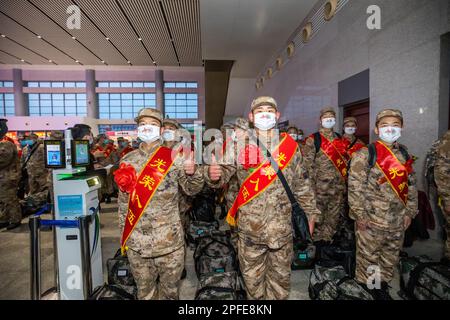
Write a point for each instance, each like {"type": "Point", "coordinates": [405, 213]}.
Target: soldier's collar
{"type": "Point", "coordinates": [143, 150]}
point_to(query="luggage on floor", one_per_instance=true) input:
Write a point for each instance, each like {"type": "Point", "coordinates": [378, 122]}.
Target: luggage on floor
{"type": "Point", "coordinates": [199, 229]}
{"type": "Point", "coordinates": [333, 283]}
{"type": "Point", "coordinates": [333, 255]}
{"type": "Point", "coordinates": [111, 292]}
{"type": "Point", "coordinates": [220, 286]}
{"type": "Point", "coordinates": [304, 255]}
{"type": "Point", "coordinates": [204, 205]}
{"type": "Point", "coordinates": [119, 273]}
{"type": "Point", "coordinates": [422, 279]}
{"type": "Point", "coordinates": [215, 254]}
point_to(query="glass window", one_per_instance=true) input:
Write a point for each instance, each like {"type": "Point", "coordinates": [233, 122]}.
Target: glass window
{"type": "Point", "coordinates": [169, 85]}
{"type": "Point", "coordinates": [81, 84]}
{"type": "Point", "coordinates": [149, 85]}
{"type": "Point", "coordinates": [57, 85]}
{"type": "Point", "coordinates": [45, 96]}
{"type": "Point", "coordinates": [33, 84]}
{"type": "Point", "coordinates": [33, 96]}
{"type": "Point", "coordinates": [180, 85]}
{"type": "Point", "coordinates": [138, 84]}
{"type": "Point", "coordinates": [114, 96]}
{"type": "Point", "coordinates": [181, 105]}
{"type": "Point", "coordinates": [9, 96]}
{"type": "Point", "coordinates": [8, 84]}
{"type": "Point", "coordinates": [127, 96]}
{"type": "Point", "coordinates": [69, 84]}
{"type": "Point", "coordinates": [44, 85]}
{"type": "Point", "coordinates": [114, 84]}
{"type": "Point", "coordinates": [103, 96]}
{"type": "Point", "coordinates": [126, 85]}
{"type": "Point", "coordinates": [191, 85]}
{"type": "Point", "coordinates": [103, 85]}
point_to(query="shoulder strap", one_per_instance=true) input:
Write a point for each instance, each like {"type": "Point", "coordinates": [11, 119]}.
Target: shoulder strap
{"type": "Point", "coordinates": [33, 150]}
{"type": "Point", "coordinates": [352, 144]}
{"type": "Point", "coordinates": [317, 141]}
{"type": "Point", "coordinates": [404, 152]}
{"type": "Point", "coordinates": [338, 135]}
{"type": "Point", "coordinates": [372, 155]}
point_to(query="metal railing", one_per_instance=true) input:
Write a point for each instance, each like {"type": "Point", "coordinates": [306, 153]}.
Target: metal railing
{"type": "Point", "coordinates": [82, 223]}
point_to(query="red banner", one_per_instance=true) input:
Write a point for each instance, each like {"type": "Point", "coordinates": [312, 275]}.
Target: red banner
{"type": "Point", "coordinates": [330, 149]}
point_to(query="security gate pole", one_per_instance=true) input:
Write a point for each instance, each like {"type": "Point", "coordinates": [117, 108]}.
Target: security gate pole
{"type": "Point", "coordinates": [35, 247]}
{"type": "Point", "coordinates": [85, 255]}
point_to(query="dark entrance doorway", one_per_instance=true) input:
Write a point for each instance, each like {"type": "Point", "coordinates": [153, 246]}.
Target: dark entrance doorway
{"type": "Point", "coordinates": [361, 111]}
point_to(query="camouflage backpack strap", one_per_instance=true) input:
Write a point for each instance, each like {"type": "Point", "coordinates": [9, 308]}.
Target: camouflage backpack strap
{"type": "Point", "coordinates": [415, 275]}
{"type": "Point", "coordinates": [404, 152]}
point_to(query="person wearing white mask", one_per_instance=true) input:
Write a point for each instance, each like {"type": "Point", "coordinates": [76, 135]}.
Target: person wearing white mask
{"type": "Point", "coordinates": [170, 132]}
{"type": "Point", "coordinates": [383, 199]}
{"type": "Point", "coordinates": [325, 158]}
{"type": "Point", "coordinates": [353, 143]}
{"type": "Point", "coordinates": [262, 211]}
{"type": "Point", "coordinates": [150, 181]}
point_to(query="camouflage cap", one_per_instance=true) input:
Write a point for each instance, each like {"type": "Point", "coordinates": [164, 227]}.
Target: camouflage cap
{"type": "Point", "coordinates": [389, 113]}
{"type": "Point", "coordinates": [149, 112]}
{"type": "Point", "coordinates": [227, 126]}
{"type": "Point", "coordinates": [350, 119]}
{"type": "Point", "coordinates": [264, 101]}
{"type": "Point", "coordinates": [242, 123]}
{"type": "Point", "coordinates": [56, 135]}
{"type": "Point", "coordinates": [292, 127]}
{"type": "Point", "coordinates": [327, 110]}
{"type": "Point", "coordinates": [172, 122]}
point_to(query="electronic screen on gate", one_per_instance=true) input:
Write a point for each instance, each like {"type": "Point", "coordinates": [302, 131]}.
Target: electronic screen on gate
{"type": "Point", "coordinates": [55, 154]}
{"type": "Point", "coordinates": [80, 153]}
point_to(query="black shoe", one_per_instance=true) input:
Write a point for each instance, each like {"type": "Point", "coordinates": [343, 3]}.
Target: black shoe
{"type": "Point", "coordinates": [108, 200]}
{"type": "Point", "coordinates": [13, 225]}
{"type": "Point", "coordinates": [183, 274]}
{"type": "Point", "coordinates": [4, 224]}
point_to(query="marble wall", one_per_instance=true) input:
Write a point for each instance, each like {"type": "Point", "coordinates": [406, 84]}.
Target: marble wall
{"type": "Point", "coordinates": [403, 59]}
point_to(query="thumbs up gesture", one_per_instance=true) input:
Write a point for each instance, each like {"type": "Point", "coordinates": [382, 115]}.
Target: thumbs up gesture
{"type": "Point", "coordinates": [189, 165]}
{"type": "Point", "coordinates": [215, 171]}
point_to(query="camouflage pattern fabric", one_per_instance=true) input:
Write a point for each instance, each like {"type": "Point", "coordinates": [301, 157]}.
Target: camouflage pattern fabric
{"type": "Point", "coordinates": [159, 277]}
{"type": "Point", "coordinates": [442, 178]}
{"type": "Point", "coordinates": [9, 181]}
{"type": "Point", "coordinates": [200, 229]}
{"type": "Point", "coordinates": [328, 185]}
{"type": "Point", "coordinates": [37, 173]}
{"type": "Point", "coordinates": [218, 286]}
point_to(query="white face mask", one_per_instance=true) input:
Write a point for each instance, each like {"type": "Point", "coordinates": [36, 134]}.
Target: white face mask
{"type": "Point", "coordinates": [390, 134]}
{"type": "Point", "coordinates": [294, 136]}
{"type": "Point", "coordinates": [265, 120]}
{"type": "Point", "coordinates": [169, 135]}
{"type": "Point", "coordinates": [350, 130]}
{"type": "Point", "coordinates": [328, 123]}
{"type": "Point", "coordinates": [149, 133]}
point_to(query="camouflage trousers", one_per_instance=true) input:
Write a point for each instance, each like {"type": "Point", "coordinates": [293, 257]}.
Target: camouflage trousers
{"type": "Point", "coordinates": [266, 272]}
{"type": "Point", "coordinates": [10, 208]}
{"type": "Point", "coordinates": [377, 248]}
{"type": "Point", "coordinates": [332, 208]}
{"type": "Point", "coordinates": [157, 278]}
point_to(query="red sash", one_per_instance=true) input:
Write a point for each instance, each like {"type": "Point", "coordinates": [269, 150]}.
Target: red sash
{"type": "Point", "coordinates": [263, 176]}
{"type": "Point", "coordinates": [330, 149]}
{"type": "Point", "coordinates": [148, 181]}
{"type": "Point", "coordinates": [394, 171]}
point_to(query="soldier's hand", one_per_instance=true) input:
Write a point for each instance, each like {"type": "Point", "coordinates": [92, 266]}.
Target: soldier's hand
{"type": "Point", "coordinates": [215, 171]}
{"type": "Point", "coordinates": [189, 165]}
{"type": "Point", "coordinates": [362, 225]}
{"type": "Point", "coordinates": [407, 222]}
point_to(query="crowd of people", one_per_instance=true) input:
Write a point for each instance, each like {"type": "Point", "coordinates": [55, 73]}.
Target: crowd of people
{"type": "Point", "coordinates": [330, 174]}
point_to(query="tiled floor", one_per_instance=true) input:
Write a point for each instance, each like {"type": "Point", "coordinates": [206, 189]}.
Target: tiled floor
{"type": "Point", "coordinates": [15, 261]}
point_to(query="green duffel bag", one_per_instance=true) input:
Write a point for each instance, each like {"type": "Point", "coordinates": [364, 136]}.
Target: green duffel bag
{"type": "Point", "coordinates": [220, 286]}
{"type": "Point", "coordinates": [423, 279]}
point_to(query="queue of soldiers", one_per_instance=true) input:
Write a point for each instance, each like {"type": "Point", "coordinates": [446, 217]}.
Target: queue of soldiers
{"type": "Point", "coordinates": [327, 172]}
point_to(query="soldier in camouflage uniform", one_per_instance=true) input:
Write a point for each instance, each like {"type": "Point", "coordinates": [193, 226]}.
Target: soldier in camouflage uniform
{"type": "Point", "coordinates": [156, 246]}
{"type": "Point", "coordinates": [442, 178]}
{"type": "Point", "coordinates": [10, 213]}
{"type": "Point", "coordinates": [353, 142]}
{"type": "Point", "coordinates": [37, 173]}
{"type": "Point", "coordinates": [264, 224]}
{"type": "Point", "coordinates": [381, 216]}
{"type": "Point", "coordinates": [328, 183]}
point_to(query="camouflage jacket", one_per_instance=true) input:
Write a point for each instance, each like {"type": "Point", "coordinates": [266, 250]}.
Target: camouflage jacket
{"type": "Point", "coordinates": [36, 164]}
{"type": "Point", "coordinates": [372, 198]}
{"type": "Point", "coordinates": [267, 218]}
{"type": "Point", "coordinates": [9, 169]}
{"type": "Point", "coordinates": [442, 169]}
{"type": "Point", "coordinates": [159, 230]}
{"type": "Point", "coordinates": [326, 179]}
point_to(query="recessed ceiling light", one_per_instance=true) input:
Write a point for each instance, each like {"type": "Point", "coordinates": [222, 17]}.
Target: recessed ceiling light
{"type": "Point", "coordinates": [3, 36]}
{"type": "Point", "coordinates": [77, 61]}
{"type": "Point", "coordinates": [22, 60]}
{"type": "Point", "coordinates": [74, 38]}
{"type": "Point", "coordinates": [154, 62]}
{"type": "Point", "coordinates": [140, 39]}
{"type": "Point", "coordinates": [39, 37]}
{"type": "Point", "coordinates": [129, 62]}
{"type": "Point", "coordinates": [103, 61]}
{"type": "Point", "coordinates": [107, 39]}
{"type": "Point", "coordinates": [50, 61]}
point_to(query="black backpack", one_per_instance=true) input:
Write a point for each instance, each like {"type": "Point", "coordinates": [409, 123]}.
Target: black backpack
{"type": "Point", "coordinates": [215, 254]}
{"type": "Point", "coordinates": [119, 273]}
{"type": "Point", "coordinates": [111, 292]}
{"type": "Point", "coordinates": [204, 205]}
